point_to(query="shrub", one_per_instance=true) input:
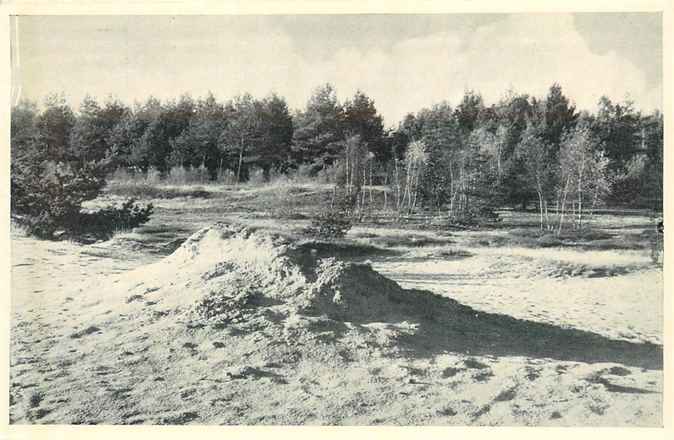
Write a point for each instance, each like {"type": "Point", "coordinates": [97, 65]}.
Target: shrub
{"type": "Point", "coordinates": [335, 221]}
{"type": "Point", "coordinates": [47, 197]}
{"type": "Point", "coordinates": [329, 225]}
{"type": "Point", "coordinates": [475, 215]}
{"type": "Point", "coordinates": [122, 175]}
{"type": "Point", "coordinates": [104, 222]}
{"type": "Point", "coordinates": [227, 177]}
{"type": "Point", "coordinates": [153, 175]}
{"type": "Point", "coordinates": [256, 176]}
{"type": "Point", "coordinates": [287, 203]}
{"type": "Point", "coordinates": [177, 176]}
{"type": "Point", "coordinates": [328, 174]}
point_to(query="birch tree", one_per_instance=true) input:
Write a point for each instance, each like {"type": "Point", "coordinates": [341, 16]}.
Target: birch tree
{"type": "Point", "coordinates": [583, 171]}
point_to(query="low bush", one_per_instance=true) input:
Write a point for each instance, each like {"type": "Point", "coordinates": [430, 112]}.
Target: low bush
{"type": "Point", "coordinates": [330, 225]}
{"type": "Point", "coordinates": [87, 226]}
{"type": "Point", "coordinates": [453, 254]}
{"type": "Point", "coordinates": [47, 198]}
{"type": "Point", "coordinates": [336, 220]}
{"type": "Point", "coordinates": [548, 240]}
{"type": "Point", "coordinates": [475, 216]}
{"type": "Point", "coordinates": [106, 221]}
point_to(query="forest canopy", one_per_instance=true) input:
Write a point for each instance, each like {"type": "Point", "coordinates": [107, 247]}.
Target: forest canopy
{"type": "Point", "coordinates": [466, 158]}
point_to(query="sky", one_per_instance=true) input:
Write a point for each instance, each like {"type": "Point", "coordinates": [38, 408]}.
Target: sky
{"type": "Point", "coordinates": [403, 62]}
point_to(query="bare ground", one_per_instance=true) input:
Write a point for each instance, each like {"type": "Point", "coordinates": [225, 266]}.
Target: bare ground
{"type": "Point", "coordinates": [515, 336]}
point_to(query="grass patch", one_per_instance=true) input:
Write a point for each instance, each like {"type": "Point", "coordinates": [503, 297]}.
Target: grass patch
{"type": "Point", "coordinates": [474, 364]}
{"type": "Point", "coordinates": [452, 254]}
{"type": "Point", "coordinates": [587, 239]}
{"type": "Point", "coordinates": [149, 191]}
{"type": "Point", "coordinates": [410, 240]}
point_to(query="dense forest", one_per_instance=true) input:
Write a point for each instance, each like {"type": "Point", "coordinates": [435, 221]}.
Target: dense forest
{"type": "Point", "coordinates": [463, 160]}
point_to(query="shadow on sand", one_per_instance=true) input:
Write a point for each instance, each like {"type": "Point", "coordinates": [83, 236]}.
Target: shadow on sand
{"type": "Point", "coordinates": [445, 325]}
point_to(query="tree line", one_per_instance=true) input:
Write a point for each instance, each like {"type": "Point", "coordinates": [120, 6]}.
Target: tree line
{"type": "Point", "coordinates": [522, 151]}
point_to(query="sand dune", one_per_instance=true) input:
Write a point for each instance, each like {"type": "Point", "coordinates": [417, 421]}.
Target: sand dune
{"type": "Point", "coordinates": [240, 326]}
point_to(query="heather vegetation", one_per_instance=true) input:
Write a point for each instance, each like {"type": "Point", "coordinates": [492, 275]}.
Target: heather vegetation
{"type": "Point", "coordinates": [459, 162]}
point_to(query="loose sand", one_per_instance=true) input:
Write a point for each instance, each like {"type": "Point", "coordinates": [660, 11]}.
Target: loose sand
{"type": "Point", "coordinates": [246, 327]}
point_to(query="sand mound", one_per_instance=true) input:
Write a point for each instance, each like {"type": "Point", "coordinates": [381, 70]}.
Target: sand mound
{"type": "Point", "coordinates": [227, 273]}
{"type": "Point", "coordinates": [244, 326]}
{"type": "Point", "coordinates": [278, 291]}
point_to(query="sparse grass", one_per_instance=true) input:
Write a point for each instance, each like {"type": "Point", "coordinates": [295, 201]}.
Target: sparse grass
{"type": "Point", "coordinates": [146, 191]}
{"type": "Point", "coordinates": [586, 239]}
{"type": "Point", "coordinates": [452, 254]}
{"type": "Point", "coordinates": [409, 240]}
{"type": "Point", "coordinates": [294, 201]}
{"type": "Point", "coordinates": [494, 342]}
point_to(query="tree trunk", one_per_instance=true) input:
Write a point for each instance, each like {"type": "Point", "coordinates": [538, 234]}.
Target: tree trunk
{"type": "Point", "coordinates": [347, 177]}
{"type": "Point", "coordinates": [595, 197]}
{"type": "Point", "coordinates": [414, 199]}
{"type": "Point", "coordinates": [385, 192]}
{"type": "Point", "coordinates": [370, 187]}
{"type": "Point", "coordinates": [580, 203]}
{"type": "Point", "coordinates": [397, 177]}
{"type": "Point", "coordinates": [238, 170]}
{"type": "Point", "coordinates": [406, 192]}
{"type": "Point", "coordinates": [451, 191]}
{"type": "Point", "coordinates": [540, 206]}
{"type": "Point", "coordinates": [362, 197]}
{"type": "Point", "coordinates": [573, 214]}
{"type": "Point", "coordinates": [564, 193]}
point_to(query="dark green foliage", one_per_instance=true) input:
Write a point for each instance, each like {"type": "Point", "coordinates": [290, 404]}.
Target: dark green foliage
{"type": "Point", "coordinates": [319, 131]}
{"type": "Point", "coordinates": [558, 116]}
{"type": "Point", "coordinates": [468, 111]}
{"type": "Point", "coordinates": [617, 127]}
{"type": "Point", "coordinates": [361, 119]}
{"type": "Point", "coordinates": [442, 135]}
{"type": "Point", "coordinates": [336, 220]}
{"type": "Point", "coordinates": [200, 142]}
{"type": "Point", "coordinates": [476, 157]}
{"type": "Point", "coordinates": [155, 142]}
{"type": "Point", "coordinates": [102, 223]}
{"type": "Point", "coordinates": [53, 126]}
{"type": "Point", "coordinates": [652, 184]}
{"type": "Point", "coordinates": [47, 196]}
{"type": "Point", "coordinates": [92, 135]}
{"type": "Point", "coordinates": [329, 226]}
{"type": "Point", "coordinates": [274, 141]}
{"type": "Point", "coordinates": [50, 180]}
{"type": "Point", "coordinates": [476, 214]}
{"type": "Point", "coordinates": [47, 200]}
{"type": "Point", "coordinates": [257, 133]}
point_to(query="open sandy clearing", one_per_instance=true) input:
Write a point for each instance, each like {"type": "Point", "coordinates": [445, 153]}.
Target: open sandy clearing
{"type": "Point", "coordinates": [277, 337]}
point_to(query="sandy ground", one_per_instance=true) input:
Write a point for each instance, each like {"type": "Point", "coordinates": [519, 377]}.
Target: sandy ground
{"type": "Point", "coordinates": [552, 337]}
{"type": "Point", "coordinates": [561, 287]}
